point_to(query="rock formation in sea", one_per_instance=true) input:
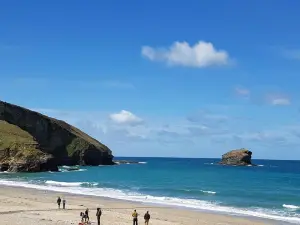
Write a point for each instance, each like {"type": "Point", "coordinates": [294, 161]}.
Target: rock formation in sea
{"type": "Point", "coordinates": [238, 157]}
{"type": "Point", "coordinates": [32, 142]}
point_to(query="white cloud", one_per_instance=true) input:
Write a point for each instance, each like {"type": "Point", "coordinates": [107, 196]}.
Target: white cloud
{"type": "Point", "coordinates": [205, 117]}
{"type": "Point", "coordinates": [281, 101]}
{"type": "Point", "coordinates": [278, 100]}
{"type": "Point", "coordinates": [241, 91]}
{"type": "Point", "coordinates": [202, 54]}
{"type": "Point", "coordinates": [125, 117]}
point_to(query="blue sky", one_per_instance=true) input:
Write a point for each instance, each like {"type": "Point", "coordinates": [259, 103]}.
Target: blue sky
{"type": "Point", "coordinates": [160, 78]}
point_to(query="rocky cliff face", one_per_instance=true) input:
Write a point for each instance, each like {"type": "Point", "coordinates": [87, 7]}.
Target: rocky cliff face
{"type": "Point", "coordinates": [239, 157]}
{"type": "Point", "coordinates": [32, 142]}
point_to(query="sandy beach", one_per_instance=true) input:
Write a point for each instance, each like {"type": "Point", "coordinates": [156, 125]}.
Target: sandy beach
{"type": "Point", "coordinates": [30, 206]}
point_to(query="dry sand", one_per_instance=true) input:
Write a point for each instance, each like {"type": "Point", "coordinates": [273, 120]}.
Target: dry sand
{"type": "Point", "coordinates": [30, 206]}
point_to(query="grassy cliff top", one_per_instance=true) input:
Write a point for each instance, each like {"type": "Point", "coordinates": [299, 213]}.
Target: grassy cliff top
{"type": "Point", "coordinates": [13, 137]}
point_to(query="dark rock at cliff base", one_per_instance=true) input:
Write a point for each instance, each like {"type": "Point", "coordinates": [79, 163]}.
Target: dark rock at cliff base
{"type": "Point", "coordinates": [32, 142]}
{"type": "Point", "coordinates": [239, 157]}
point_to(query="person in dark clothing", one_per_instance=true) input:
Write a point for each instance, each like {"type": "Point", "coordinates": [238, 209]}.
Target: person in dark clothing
{"type": "Point", "coordinates": [135, 217]}
{"type": "Point", "coordinates": [87, 215]}
{"type": "Point", "coordinates": [98, 214]}
{"type": "Point", "coordinates": [147, 218]}
{"type": "Point", "coordinates": [64, 203]}
{"type": "Point", "coordinates": [58, 202]}
{"type": "Point", "coordinates": [82, 215]}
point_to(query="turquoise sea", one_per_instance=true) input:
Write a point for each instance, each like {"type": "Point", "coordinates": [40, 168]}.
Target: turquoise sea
{"type": "Point", "coordinates": [271, 190]}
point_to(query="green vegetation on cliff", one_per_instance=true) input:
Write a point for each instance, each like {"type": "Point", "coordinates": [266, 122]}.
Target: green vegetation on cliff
{"type": "Point", "coordinates": [30, 141]}
{"type": "Point", "coordinates": [13, 137]}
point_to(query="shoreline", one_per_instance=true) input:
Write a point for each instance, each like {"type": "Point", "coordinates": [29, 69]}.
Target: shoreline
{"type": "Point", "coordinates": [103, 194]}
{"type": "Point", "coordinates": [112, 209]}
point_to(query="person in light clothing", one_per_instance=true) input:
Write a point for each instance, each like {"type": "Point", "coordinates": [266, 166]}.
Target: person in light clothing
{"type": "Point", "coordinates": [135, 217]}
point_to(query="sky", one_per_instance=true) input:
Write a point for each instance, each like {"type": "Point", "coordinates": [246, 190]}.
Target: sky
{"type": "Point", "coordinates": [160, 78]}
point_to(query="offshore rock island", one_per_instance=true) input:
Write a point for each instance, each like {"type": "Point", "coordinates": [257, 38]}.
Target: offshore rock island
{"type": "Point", "coordinates": [32, 142]}
{"type": "Point", "coordinates": [238, 157]}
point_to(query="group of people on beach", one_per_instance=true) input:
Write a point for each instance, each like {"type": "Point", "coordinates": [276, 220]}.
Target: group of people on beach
{"type": "Point", "coordinates": [59, 202]}
{"type": "Point", "coordinates": [135, 217]}
{"type": "Point", "coordinates": [85, 219]}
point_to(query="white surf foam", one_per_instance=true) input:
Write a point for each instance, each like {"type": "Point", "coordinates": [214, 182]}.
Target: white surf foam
{"type": "Point", "coordinates": [67, 171]}
{"type": "Point", "coordinates": [63, 184]}
{"type": "Point", "coordinates": [167, 201]}
{"type": "Point", "coordinates": [66, 167]}
{"type": "Point", "coordinates": [69, 184]}
{"type": "Point", "coordinates": [205, 192]}
{"type": "Point", "coordinates": [142, 162]}
{"type": "Point", "coordinates": [291, 206]}
{"type": "Point", "coordinates": [209, 192]}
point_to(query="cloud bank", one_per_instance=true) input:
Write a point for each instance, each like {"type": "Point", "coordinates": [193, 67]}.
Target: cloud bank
{"type": "Point", "coordinates": [204, 134]}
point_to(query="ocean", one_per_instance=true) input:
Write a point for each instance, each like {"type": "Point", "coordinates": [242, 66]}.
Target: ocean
{"type": "Point", "coordinates": [270, 190]}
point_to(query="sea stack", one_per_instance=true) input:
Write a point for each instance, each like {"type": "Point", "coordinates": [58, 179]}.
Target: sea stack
{"type": "Point", "coordinates": [238, 157]}
{"type": "Point", "coordinates": [32, 142]}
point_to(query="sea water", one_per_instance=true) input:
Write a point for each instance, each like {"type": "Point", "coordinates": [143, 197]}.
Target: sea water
{"type": "Point", "coordinates": [270, 190]}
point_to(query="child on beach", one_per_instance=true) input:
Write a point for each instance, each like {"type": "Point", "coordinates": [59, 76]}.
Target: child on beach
{"type": "Point", "coordinates": [83, 218]}
{"type": "Point", "coordinates": [64, 204]}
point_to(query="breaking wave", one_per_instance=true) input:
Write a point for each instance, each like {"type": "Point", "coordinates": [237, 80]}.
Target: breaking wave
{"type": "Point", "coordinates": [92, 189]}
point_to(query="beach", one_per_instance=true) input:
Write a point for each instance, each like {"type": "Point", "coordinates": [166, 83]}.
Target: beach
{"type": "Point", "coordinates": [30, 206]}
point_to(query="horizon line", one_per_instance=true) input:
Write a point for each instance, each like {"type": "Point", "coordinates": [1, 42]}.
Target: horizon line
{"type": "Point", "coordinates": [176, 157]}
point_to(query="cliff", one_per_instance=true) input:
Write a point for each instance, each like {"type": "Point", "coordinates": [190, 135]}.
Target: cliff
{"type": "Point", "coordinates": [32, 142]}
{"type": "Point", "coordinates": [239, 157]}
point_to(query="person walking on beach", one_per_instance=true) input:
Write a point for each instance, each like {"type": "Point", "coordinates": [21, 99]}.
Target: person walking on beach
{"type": "Point", "coordinates": [147, 218]}
{"type": "Point", "coordinates": [64, 203]}
{"type": "Point", "coordinates": [87, 215]}
{"type": "Point", "coordinates": [135, 217]}
{"type": "Point", "coordinates": [98, 214]}
{"type": "Point", "coordinates": [58, 202]}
